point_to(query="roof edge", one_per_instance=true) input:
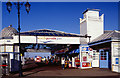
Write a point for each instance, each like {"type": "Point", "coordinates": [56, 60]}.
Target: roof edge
{"type": "Point", "coordinates": [91, 10]}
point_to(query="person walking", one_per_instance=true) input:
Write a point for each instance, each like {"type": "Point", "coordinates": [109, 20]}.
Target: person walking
{"type": "Point", "coordinates": [63, 63]}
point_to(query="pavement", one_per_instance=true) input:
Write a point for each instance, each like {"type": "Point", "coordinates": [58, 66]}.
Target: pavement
{"type": "Point", "coordinates": [55, 71]}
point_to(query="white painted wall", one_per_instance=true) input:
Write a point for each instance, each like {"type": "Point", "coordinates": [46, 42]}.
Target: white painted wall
{"type": "Point", "coordinates": [7, 47]}
{"type": "Point", "coordinates": [83, 26]}
{"type": "Point", "coordinates": [92, 24]}
{"type": "Point", "coordinates": [6, 41]}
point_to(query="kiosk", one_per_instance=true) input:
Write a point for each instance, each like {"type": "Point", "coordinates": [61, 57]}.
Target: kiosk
{"type": "Point", "coordinates": [86, 54]}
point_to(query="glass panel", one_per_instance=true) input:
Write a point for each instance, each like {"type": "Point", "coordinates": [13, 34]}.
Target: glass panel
{"type": "Point", "coordinates": [51, 34]}
{"type": "Point", "coordinates": [93, 57]}
{"type": "Point", "coordinates": [104, 53]}
{"type": "Point", "coordinates": [42, 34]}
{"type": "Point", "coordinates": [105, 58]}
{"type": "Point", "coordinates": [60, 34]}
{"type": "Point", "coordinates": [55, 34]}
{"type": "Point", "coordinates": [96, 58]}
{"type": "Point", "coordinates": [64, 34]}
{"type": "Point", "coordinates": [46, 34]}
{"type": "Point", "coordinates": [69, 34]}
{"type": "Point", "coordinates": [102, 58]}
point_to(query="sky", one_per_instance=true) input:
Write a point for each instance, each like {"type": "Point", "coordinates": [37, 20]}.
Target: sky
{"type": "Point", "coordinates": [62, 16]}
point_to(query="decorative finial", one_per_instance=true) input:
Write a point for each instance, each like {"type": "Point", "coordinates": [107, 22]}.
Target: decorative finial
{"type": "Point", "coordinates": [10, 26]}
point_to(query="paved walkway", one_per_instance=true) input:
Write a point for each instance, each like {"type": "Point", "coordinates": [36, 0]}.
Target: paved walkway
{"type": "Point", "coordinates": [57, 71]}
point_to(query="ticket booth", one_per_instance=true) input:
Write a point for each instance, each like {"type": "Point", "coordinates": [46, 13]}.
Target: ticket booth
{"type": "Point", "coordinates": [86, 55]}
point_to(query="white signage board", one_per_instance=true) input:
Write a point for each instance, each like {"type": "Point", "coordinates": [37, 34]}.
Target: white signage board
{"type": "Point", "coordinates": [115, 49]}
{"type": "Point", "coordinates": [24, 39]}
{"type": "Point", "coordinates": [58, 40]}
{"type": "Point", "coordinates": [48, 39]}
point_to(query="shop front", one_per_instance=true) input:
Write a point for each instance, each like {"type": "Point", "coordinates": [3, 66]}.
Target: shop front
{"type": "Point", "coordinates": [104, 55]}
{"type": "Point", "coordinates": [108, 45]}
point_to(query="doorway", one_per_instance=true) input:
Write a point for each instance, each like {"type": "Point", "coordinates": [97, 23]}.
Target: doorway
{"type": "Point", "coordinates": [103, 59]}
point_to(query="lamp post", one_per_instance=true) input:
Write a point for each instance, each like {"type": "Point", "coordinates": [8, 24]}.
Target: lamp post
{"type": "Point", "coordinates": [18, 5]}
{"type": "Point", "coordinates": [88, 37]}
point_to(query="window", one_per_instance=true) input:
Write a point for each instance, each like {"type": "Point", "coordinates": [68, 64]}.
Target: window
{"type": "Point", "coordinates": [103, 55]}
{"type": "Point", "coordinates": [95, 55]}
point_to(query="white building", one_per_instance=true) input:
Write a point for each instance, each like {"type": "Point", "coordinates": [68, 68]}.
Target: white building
{"type": "Point", "coordinates": [92, 24]}
{"type": "Point", "coordinates": [107, 43]}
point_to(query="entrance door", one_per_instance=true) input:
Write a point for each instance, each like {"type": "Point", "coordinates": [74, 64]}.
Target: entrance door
{"type": "Point", "coordinates": [103, 58]}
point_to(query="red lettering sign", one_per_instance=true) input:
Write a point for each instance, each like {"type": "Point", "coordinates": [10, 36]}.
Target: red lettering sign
{"type": "Point", "coordinates": [51, 38]}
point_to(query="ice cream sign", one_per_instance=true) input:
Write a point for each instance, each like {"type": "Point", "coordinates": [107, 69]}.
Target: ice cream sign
{"type": "Point", "coordinates": [86, 49]}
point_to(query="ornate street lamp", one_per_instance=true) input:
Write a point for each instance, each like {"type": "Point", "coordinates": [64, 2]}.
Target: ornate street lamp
{"type": "Point", "coordinates": [9, 6]}
{"type": "Point", "coordinates": [18, 5]}
{"type": "Point", "coordinates": [27, 5]}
